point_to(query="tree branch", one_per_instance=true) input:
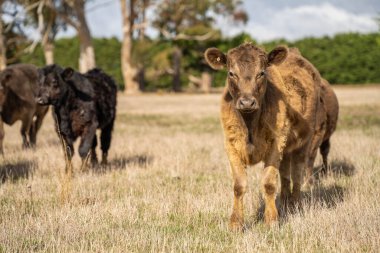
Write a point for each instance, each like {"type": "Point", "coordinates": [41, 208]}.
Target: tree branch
{"type": "Point", "coordinates": [182, 36]}
{"type": "Point", "coordinates": [63, 16]}
{"type": "Point", "coordinates": [140, 26]}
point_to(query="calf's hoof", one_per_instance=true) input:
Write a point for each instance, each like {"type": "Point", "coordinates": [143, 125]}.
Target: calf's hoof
{"type": "Point", "coordinates": [104, 162]}
{"type": "Point", "coordinates": [284, 202]}
{"type": "Point", "coordinates": [84, 166]}
{"type": "Point", "coordinates": [94, 162]}
{"type": "Point", "coordinates": [26, 146]}
{"type": "Point", "coordinates": [295, 203]}
{"type": "Point", "coordinates": [270, 217]}
{"type": "Point", "coordinates": [236, 224]}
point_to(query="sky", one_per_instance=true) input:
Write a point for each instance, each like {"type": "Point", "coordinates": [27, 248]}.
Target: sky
{"type": "Point", "coordinates": [268, 19]}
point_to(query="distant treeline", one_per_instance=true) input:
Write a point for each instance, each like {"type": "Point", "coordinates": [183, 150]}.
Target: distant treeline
{"type": "Point", "coordinates": [343, 59]}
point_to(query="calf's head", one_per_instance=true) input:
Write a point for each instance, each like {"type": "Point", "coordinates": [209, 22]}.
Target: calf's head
{"type": "Point", "coordinates": [247, 76]}
{"type": "Point", "coordinates": [53, 84]}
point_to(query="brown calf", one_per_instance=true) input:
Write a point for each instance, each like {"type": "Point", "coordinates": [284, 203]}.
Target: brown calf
{"type": "Point", "coordinates": [327, 118]}
{"type": "Point", "coordinates": [268, 114]}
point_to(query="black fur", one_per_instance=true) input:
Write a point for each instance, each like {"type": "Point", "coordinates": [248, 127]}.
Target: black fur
{"type": "Point", "coordinates": [82, 104]}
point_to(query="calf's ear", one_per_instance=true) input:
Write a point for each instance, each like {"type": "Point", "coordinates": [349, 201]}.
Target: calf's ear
{"type": "Point", "coordinates": [277, 55]}
{"type": "Point", "coordinates": [215, 58]}
{"type": "Point", "coordinates": [40, 72]}
{"type": "Point", "coordinates": [67, 73]}
{"type": "Point", "coordinates": [5, 77]}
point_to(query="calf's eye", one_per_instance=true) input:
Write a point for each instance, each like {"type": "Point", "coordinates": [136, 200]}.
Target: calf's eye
{"type": "Point", "coordinates": [54, 82]}
{"type": "Point", "coordinates": [261, 74]}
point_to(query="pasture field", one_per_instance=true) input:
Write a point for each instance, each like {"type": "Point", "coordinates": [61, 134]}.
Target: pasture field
{"type": "Point", "coordinates": [168, 187]}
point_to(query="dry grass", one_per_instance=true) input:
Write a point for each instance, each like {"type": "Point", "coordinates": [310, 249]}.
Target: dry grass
{"type": "Point", "coordinates": [168, 187]}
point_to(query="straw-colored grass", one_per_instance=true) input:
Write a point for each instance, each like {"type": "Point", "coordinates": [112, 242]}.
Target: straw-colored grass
{"type": "Point", "coordinates": [168, 187]}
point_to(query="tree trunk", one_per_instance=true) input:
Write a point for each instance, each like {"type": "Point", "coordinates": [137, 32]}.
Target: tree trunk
{"type": "Point", "coordinates": [129, 72]}
{"type": "Point", "coordinates": [87, 53]}
{"type": "Point", "coordinates": [47, 40]}
{"type": "Point", "coordinates": [141, 78]}
{"type": "Point", "coordinates": [143, 20]}
{"type": "Point", "coordinates": [48, 48]}
{"type": "Point", "coordinates": [49, 53]}
{"type": "Point", "coordinates": [3, 50]}
{"type": "Point", "coordinates": [177, 55]}
{"type": "Point", "coordinates": [206, 82]}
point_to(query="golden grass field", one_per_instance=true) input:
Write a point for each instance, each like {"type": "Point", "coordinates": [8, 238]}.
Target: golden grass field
{"type": "Point", "coordinates": [168, 187]}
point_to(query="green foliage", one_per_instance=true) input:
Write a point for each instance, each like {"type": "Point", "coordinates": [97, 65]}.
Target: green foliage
{"type": "Point", "coordinates": [345, 58]}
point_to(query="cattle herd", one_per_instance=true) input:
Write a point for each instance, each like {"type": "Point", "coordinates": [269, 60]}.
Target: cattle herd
{"type": "Point", "coordinates": [275, 109]}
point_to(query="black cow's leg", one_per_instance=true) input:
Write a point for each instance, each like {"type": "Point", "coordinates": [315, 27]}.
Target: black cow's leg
{"type": "Point", "coordinates": [105, 139]}
{"type": "Point", "coordinates": [68, 149]}
{"type": "Point", "coordinates": [25, 128]}
{"type": "Point", "coordinates": [94, 158]}
{"type": "Point", "coordinates": [86, 143]}
{"type": "Point", "coordinates": [1, 136]}
{"type": "Point", "coordinates": [35, 127]}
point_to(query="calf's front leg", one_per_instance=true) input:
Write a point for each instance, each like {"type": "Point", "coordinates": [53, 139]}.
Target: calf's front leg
{"type": "Point", "coordinates": [269, 189]}
{"type": "Point", "coordinates": [270, 181]}
{"type": "Point", "coordinates": [239, 176]}
{"type": "Point", "coordinates": [25, 128]}
{"type": "Point", "coordinates": [86, 143]}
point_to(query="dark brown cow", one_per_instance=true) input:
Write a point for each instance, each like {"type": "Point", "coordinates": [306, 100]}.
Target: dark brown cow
{"type": "Point", "coordinates": [18, 87]}
{"type": "Point", "coordinates": [268, 114]}
{"type": "Point", "coordinates": [327, 118]}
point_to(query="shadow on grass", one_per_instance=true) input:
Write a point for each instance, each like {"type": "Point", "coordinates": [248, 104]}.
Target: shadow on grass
{"type": "Point", "coordinates": [121, 163]}
{"type": "Point", "coordinates": [336, 168]}
{"type": "Point", "coordinates": [324, 196]}
{"type": "Point", "coordinates": [18, 170]}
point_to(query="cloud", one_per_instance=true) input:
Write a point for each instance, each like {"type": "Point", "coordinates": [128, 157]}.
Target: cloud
{"type": "Point", "coordinates": [268, 19]}
{"type": "Point", "coordinates": [307, 20]}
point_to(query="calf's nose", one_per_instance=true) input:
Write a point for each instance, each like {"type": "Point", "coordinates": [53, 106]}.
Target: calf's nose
{"type": "Point", "coordinates": [39, 100]}
{"type": "Point", "coordinates": [247, 103]}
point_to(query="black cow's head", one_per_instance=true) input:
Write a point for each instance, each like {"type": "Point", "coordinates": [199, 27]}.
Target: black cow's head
{"type": "Point", "coordinates": [52, 84]}
{"type": "Point", "coordinates": [246, 66]}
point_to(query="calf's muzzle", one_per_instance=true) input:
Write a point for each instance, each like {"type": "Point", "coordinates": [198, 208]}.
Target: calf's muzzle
{"type": "Point", "coordinates": [247, 104]}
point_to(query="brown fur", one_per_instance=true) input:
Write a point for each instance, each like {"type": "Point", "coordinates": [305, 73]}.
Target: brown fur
{"type": "Point", "coordinates": [278, 127]}
{"type": "Point", "coordinates": [18, 87]}
{"type": "Point", "coordinates": [327, 118]}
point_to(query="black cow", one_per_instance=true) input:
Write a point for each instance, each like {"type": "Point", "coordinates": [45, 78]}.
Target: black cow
{"type": "Point", "coordinates": [18, 87]}
{"type": "Point", "coordinates": [82, 104]}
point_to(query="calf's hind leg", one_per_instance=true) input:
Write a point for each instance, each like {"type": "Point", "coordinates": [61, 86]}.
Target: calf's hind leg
{"type": "Point", "coordinates": [285, 180]}
{"type": "Point", "coordinates": [325, 149]}
{"type": "Point", "coordinates": [105, 141]}
{"type": "Point", "coordinates": [298, 166]}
